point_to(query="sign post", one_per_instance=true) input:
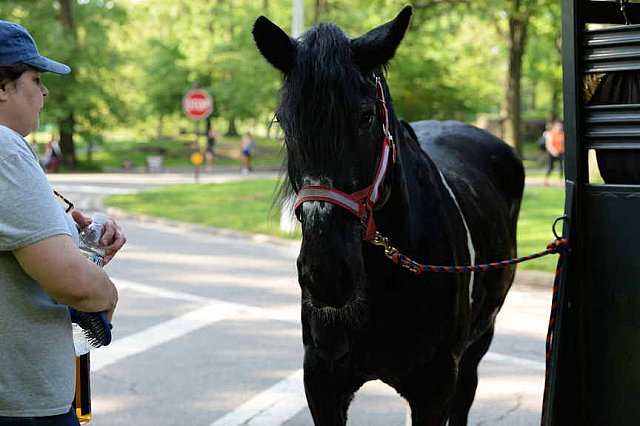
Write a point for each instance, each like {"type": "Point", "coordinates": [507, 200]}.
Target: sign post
{"type": "Point", "coordinates": [196, 159]}
{"type": "Point", "coordinates": [197, 104]}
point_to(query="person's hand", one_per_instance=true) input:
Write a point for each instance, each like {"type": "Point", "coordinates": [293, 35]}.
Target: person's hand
{"type": "Point", "coordinates": [112, 239]}
{"type": "Point", "coordinates": [109, 315]}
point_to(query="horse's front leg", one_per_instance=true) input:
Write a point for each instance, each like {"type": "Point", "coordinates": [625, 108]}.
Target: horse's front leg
{"type": "Point", "coordinates": [430, 392]}
{"type": "Point", "coordinates": [329, 389]}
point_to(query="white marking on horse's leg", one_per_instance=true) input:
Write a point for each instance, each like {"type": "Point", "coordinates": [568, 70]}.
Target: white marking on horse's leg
{"type": "Point", "coordinates": [472, 251]}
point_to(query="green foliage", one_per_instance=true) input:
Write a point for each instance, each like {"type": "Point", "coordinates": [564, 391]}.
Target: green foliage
{"type": "Point", "coordinates": [90, 92]}
{"type": "Point", "coordinates": [133, 61]}
{"type": "Point", "coordinates": [166, 78]}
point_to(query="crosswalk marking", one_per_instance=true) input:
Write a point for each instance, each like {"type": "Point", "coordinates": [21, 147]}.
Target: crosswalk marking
{"type": "Point", "coordinates": [162, 333]}
{"type": "Point", "coordinates": [275, 405]}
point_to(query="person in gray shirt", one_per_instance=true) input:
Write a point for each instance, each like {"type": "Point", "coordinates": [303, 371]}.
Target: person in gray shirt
{"type": "Point", "coordinates": [42, 271]}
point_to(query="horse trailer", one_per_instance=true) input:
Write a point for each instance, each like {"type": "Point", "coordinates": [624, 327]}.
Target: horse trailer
{"type": "Point", "coordinates": [593, 376]}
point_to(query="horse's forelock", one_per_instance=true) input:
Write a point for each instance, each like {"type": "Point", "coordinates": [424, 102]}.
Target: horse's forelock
{"type": "Point", "coordinates": [320, 95]}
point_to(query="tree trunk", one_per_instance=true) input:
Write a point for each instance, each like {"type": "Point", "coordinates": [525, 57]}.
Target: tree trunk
{"type": "Point", "coordinates": [317, 10]}
{"type": "Point", "coordinates": [231, 130]}
{"type": "Point", "coordinates": [517, 39]}
{"type": "Point", "coordinates": [555, 105]}
{"type": "Point", "coordinates": [66, 141]}
{"type": "Point", "coordinates": [67, 124]}
{"type": "Point", "coordinates": [66, 14]}
{"type": "Point", "coordinates": [160, 127]}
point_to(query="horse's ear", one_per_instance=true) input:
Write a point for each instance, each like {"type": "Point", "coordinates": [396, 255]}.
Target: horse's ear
{"type": "Point", "coordinates": [378, 46]}
{"type": "Point", "coordinates": [274, 44]}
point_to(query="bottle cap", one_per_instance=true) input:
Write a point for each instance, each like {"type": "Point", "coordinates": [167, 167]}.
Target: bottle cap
{"type": "Point", "coordinates": [100, 218]}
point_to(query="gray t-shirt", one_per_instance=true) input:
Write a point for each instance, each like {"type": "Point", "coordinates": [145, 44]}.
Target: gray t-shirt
{"type": "Point", "coordinates": [37, 359]}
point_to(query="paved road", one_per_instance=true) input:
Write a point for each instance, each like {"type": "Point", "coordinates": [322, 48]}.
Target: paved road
{"type": "Point", "coordinates": [207, 331]}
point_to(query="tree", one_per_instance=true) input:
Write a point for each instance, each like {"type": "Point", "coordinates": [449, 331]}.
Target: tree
{"type": "Point", "coordinates": [134, 61]}
{"type": "Point", "coordinates": [166, 79]}
{"type": "Point", "coordinates": [518, 15]}
{"type": "Point", "coordinates": [78, 34]}
{"type": "Point", "coordinates": [543, 62]}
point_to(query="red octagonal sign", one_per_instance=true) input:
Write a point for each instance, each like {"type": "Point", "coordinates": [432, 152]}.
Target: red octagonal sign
{"type": "Point", "coordinates": [197, 104]}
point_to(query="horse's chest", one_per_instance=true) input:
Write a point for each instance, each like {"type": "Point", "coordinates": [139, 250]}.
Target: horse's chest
{"type": "Point", "coordinates": [396, 345]}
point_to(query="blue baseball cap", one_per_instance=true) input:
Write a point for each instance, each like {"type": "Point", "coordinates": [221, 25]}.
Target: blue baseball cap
{"type": "Point", "coordinates": [17, 46]}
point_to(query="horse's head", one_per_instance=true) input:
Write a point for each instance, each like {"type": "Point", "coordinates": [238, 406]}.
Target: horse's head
{"type": "Point", "coordinates": [332, 116]}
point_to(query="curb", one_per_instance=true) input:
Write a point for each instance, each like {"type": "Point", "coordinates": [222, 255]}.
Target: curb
{"type": "Point", "coordinates": [202, 229]}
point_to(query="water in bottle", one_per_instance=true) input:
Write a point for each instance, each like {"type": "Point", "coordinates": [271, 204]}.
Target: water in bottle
{"type": "Point", "coordinates": [90, 239]}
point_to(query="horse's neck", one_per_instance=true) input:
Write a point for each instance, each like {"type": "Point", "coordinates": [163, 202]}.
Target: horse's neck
{"type": "Point", "coordinates": [417, 183]}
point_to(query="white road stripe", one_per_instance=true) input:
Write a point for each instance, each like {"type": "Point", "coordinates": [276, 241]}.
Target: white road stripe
{"type": "Point", "coordinates": [162, 333]}
{"type": "Point", "coordinates": [285, 315]}
{"type": "Point", "coordinates": [158, 292]}
{"type": "Point", "coordinates": [272, 407]}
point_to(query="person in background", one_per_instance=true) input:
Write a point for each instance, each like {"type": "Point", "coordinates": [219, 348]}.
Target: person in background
{"type": "Point", "coordinates": [209, 151]}
{"type": "Point", "coordinates": [247, 143]}
{"type": "Point", "coordinates": [42, 271]}
{"type": "Point", "coordinates": [554, 143]}
{"type": "Point", "coordinates": [52, 156]}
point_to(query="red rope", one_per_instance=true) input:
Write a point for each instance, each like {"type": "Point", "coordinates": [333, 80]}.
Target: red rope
{"type": "Point", "coordinates": [557, 246]}
{"type": "Point", "coordinates": [551, 331]}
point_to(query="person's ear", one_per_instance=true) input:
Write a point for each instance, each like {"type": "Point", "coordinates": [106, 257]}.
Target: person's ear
{"type": "Point", "coordinates": [3, 90]}
{"type": "Point", "coordinates": [5, 87]}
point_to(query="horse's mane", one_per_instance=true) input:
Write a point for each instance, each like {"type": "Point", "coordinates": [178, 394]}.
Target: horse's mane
{"type": "Point", "coordinates": [318, 96]}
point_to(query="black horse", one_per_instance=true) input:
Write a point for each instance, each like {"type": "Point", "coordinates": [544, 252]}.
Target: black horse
{"type": "Point", "coordinates": [442, 192]}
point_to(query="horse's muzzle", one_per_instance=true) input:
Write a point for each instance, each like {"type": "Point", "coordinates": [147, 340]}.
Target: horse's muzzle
{"type": "Point", "coordinates": [330, 280]}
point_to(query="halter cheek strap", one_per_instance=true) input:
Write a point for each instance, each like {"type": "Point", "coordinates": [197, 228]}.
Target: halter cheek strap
{"type": "Point", "coordinates": [360, 203]}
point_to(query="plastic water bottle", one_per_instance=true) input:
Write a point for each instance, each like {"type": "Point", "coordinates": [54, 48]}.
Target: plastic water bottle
{"type": "Point", "coordinates": [90, 239]}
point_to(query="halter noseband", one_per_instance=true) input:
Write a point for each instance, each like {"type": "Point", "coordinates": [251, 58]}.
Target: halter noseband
{"type": "Point", "coordinates": [361, 203]}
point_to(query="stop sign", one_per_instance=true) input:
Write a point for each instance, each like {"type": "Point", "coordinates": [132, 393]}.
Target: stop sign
{"type": "Point", "coordinates": [197, 104]}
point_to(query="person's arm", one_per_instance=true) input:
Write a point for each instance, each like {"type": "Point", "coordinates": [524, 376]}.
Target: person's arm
{"type": "Point", "coordinates": [67, 276]}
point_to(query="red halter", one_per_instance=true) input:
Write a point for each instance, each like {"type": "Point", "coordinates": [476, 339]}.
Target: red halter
{"type": "Point", "coordinates": [360, 203]}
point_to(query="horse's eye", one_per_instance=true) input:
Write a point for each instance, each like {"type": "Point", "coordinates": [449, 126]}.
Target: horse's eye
{"type": "Point", "coordinates": [367, 117]}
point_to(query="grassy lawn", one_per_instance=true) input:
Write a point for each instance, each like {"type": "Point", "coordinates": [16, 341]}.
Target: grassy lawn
{"type": "Point", "coordinates": [540, 207]}
{"type": "Point", "coordinates": [248, 206]}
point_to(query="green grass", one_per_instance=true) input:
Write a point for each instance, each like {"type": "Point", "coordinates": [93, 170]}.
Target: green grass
{"type": "Point", "coordinates": [245, 206]}
{"type": "Point", "coordinates": [248, 206]}
{"type": "Point", "coordinates": [540, 207]}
